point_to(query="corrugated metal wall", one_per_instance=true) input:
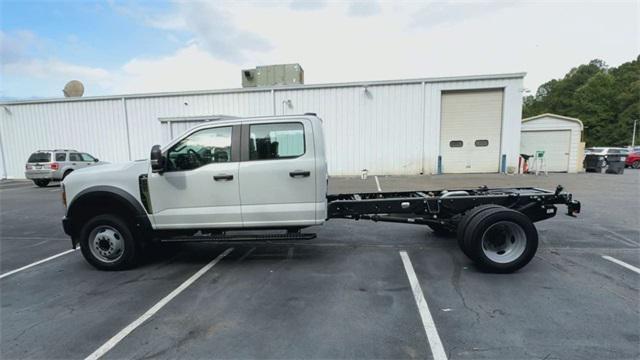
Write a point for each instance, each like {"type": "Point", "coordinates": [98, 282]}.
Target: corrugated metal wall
{"type": "Point", "coordinates": [390, 128]}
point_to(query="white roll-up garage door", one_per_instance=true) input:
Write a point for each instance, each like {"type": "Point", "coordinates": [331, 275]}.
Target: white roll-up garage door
{"type": "Point", "coordinates": [554, 143]}
{"type": "Point", "coordinates": [471, 124]}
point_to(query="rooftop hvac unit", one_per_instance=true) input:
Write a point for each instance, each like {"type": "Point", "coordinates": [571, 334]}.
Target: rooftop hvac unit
{"type": "Point", "coordinates": [273, 75]}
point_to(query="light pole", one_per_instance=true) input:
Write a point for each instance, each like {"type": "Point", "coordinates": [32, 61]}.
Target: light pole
{"type": "Point", "coordinates": [633, 137]}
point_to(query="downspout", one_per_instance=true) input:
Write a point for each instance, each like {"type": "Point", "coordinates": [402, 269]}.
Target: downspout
{"type": "Point", "coordinates": [126, 126]}
{"type": "Point", "coordinates": [4, 159]}
{"type": "Point", "coordinates": [273, 101]}
{"type": "Point", "coordinates": [424, 110]}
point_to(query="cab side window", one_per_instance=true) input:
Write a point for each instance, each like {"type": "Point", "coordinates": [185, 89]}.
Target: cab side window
{"type": "Point", "coordinates": [200, 148]}
{"type": "Point", "coordinates": [74, 157]}
{"type": "Point", "coordinates": [61, 157]}
{"type": "Point", "coordinates": [276, 141]}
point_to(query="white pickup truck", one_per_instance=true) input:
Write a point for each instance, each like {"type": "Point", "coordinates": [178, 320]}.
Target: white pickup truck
{"type": "Point", "coordinates": [270, 173]}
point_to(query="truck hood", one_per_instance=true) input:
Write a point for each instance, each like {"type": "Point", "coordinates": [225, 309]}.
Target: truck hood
{"type": "Point", "coordinates": [119, 175]}
{"type": "Point", "coordinates": [113, 168]}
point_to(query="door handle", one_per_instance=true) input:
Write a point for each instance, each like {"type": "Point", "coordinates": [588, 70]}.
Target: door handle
{"type": "Point", "coordinates": [220, 177]}
{"type": "Point", "coordinates": [299, 173]}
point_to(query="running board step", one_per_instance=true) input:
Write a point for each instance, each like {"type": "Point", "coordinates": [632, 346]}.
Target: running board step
{"type": "Point", "coordinates": [219, 237]}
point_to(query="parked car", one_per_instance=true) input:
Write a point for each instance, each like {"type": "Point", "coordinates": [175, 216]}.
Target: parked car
{"type": "Point", "coordinates": [633, 160]}
{"type": "Point", "coordinates": [596, 158]}
{"type": "Point", "coordinates": [604, 151]}
{"type": "Point", "coordinates": [45, 166]}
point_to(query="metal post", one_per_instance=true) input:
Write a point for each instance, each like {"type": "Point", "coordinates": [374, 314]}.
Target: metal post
{"type": "Point", "coordinates": [423, 110]}
{"type": "Point", "coordinates": [4, 159]}
{"type": "Point", "coordinates": [126, 124]}
{"type": "Point", "coordinates": [633, 137]}
{"type": "Point", "coordinates": [273, 101]}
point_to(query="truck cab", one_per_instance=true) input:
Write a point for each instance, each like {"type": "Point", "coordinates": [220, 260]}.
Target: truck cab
{"type": "Point", "coordinates": [232, 174]}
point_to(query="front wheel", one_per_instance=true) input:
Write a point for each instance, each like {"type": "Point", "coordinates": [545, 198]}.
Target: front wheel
{"type": "Point", "coordinates": [500, 240]}
{"type": "Point", "coordinates": [636, 164]}
{"type": "Point", "coordinates": [107, 243]}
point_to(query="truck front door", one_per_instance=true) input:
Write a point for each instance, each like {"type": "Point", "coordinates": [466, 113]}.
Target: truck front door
{"type": "Point", "coordinates": [277, 173]}
{"type": "Point", "coordinates": [200, 187]}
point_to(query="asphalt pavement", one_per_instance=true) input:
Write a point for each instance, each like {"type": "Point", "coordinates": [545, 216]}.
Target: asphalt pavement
{"type": "Point", "coordinates": [346, 294]}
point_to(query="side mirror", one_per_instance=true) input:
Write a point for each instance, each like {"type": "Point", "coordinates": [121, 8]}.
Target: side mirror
{"type": "Point", "coordinates": [157, 160]}
{"type": "Point", "coordinates": [96, 160]}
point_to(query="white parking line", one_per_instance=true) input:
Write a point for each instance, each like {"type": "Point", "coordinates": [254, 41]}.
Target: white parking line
{"type": "Point", "coordinates": [154, 309]}
{"type": "Point", "coordinates": [378, 183]}
{"type": "Point", "coordinates": [35, 263]}
{"type": "Point", "coordinates": [621, 263]}
{"type": "Point", "coordinates": [437, 350]}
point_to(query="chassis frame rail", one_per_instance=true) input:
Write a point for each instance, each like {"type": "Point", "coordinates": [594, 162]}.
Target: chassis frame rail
{"type": "Point", "coordinates": [446, 207]}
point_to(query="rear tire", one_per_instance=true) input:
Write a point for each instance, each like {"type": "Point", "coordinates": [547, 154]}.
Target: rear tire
{"type": "Point", "coordinates": [462, 225]}
{"type": "Point", "coordinates": [41, 182]}
{"type": "Point", "coordinates": [107, 243]}
{"type": "Point", "coordinates": [500, 240]}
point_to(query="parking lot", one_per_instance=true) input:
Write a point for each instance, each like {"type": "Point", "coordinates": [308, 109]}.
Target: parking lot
{"type": "Point", "coordinates": [346, 294]}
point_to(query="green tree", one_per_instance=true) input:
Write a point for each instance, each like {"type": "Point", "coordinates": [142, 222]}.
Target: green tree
{"type": "Point", "coordinates": [607, 100]}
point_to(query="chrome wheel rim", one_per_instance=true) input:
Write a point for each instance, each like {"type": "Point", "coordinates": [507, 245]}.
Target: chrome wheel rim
{"type": "Point", "coordinates": [504, 242]}
{"type": "Point", "coordinates": [106, 244]}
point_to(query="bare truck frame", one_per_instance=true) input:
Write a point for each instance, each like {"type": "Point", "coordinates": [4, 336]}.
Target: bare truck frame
{"type": "Point", "coordinates": [494, 227]}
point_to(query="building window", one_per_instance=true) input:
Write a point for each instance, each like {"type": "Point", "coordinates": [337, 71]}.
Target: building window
{"type": "Point", "coordinates": [276, 141]}
{"type": "Point", "coordinates": [200, 148]}
{"type": "Point", "coordinates": [482, 143]}
{"type": "Point", "coordinates": [455, 143]}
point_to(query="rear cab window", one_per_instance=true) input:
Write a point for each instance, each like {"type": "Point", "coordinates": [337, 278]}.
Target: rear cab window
{"type": "Point", "coordinates": [40, 157]}
{"type": "Point", "coordinates": [276, 141]}
{"type": "Point", "coordinates": [61, 157]}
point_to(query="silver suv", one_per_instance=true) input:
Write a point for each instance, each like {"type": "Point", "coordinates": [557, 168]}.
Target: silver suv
{"type": "Point", "coordinates": [44, 166]}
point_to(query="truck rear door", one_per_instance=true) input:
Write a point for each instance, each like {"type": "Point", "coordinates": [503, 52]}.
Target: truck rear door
{"type": "Point", "coordinates": [277, 173]}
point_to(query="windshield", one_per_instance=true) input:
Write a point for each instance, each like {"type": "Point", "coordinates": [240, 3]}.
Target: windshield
{"type": "Point", "coordinates": [39, 157]}
{"type": "Point", "coordinates": [594, 150]}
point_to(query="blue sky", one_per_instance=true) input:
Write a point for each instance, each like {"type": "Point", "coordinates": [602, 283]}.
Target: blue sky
{"type": "Point", "coordinates": [117, 47]}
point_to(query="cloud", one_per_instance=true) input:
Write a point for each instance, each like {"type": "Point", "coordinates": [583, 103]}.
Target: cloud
{"type": "Point", "coordinates": [307, 5]}
{"type": "Point", "coordinates": [364, 8]}
{"type": "Point", "coordinates": [14, 46]}
{"type": "Point", "coordinates": [190, 68]}
{"type": "Point", "coordinates": [215, 32]}
{"type": "Point", "coordinates": [445, 12]}
{"type": "Point", "coordinates": [149, 15]}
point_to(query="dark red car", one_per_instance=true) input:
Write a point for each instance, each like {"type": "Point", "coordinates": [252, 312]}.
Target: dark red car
{"type": "Point", "coordinates": [633, 160]}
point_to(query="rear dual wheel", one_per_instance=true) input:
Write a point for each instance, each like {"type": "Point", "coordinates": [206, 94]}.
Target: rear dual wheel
{"type": "Point", "coordinates": [498, 239]}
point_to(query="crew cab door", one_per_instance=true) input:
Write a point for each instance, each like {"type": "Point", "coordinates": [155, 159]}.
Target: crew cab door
{"type": "Point", "coordinates": [200, 186]}
{"type": "Point", "coordinates": [277, 173]}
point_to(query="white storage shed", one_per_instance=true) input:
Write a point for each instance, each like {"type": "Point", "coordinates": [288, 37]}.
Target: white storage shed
{"type": "Point", "coordinates": [558, 136]}
{"type": "Point", "coordinates": [393, 127]}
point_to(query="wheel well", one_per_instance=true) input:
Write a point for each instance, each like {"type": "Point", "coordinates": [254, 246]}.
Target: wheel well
{"type": "Point", "coordinates": [103, 202]}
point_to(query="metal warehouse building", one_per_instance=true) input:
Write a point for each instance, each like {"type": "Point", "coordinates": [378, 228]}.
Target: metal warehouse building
{"type": "Point", "coordinates": [430, 125]}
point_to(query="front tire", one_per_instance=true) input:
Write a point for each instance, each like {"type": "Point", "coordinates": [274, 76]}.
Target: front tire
{"type": "Point", "coordinates": [41, 182]}
{"type": "Point", "coordinates": [500, 240]}
{"type": "Point", "coordinates": [636, 164]}
{"type": "Point", "coordinates": [107, 243]}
